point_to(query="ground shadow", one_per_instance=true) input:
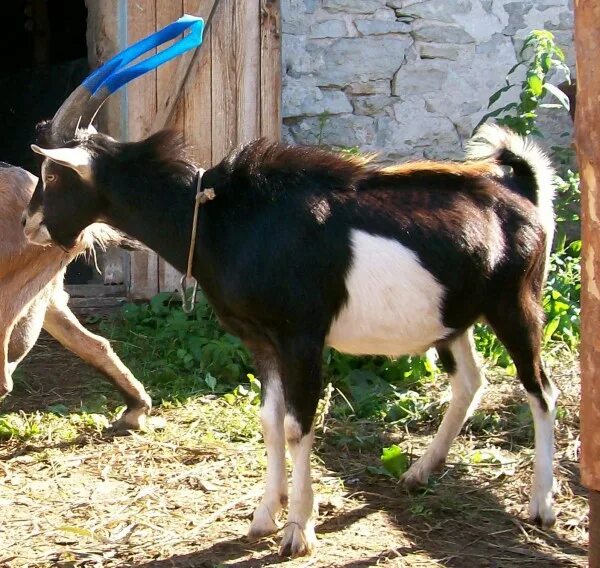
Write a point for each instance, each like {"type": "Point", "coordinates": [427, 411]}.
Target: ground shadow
{"type": "Point", "coordinates": [458, 521]}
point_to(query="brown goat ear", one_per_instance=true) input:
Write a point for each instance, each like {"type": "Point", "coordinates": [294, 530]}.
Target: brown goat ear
{"type": "Point", "coordinates": [77, 159]}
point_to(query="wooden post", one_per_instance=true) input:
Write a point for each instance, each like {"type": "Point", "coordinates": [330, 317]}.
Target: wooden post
{"type": "Point", "coordinates": [587, 44]}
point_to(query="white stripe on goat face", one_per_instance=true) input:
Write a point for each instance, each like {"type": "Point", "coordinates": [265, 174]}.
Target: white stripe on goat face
{"type": "Point", "coordinates": [394, 304]}
{"type": "Point", "coordinates": [35, 229]}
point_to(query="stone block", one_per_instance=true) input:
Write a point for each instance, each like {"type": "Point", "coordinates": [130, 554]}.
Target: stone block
{"type": "Point", "coordinates": [380, 27]}
{"type": "Point", "coordinates": [438, 51]}
{"type": "Point", "coordinates": [351, 60]}
{"type": "Point", "coordinates": [380, 87]}
{"type": "Point", "coordinates": [372, 105]}
{"type": "Point", "coordinates": [302, 99]}
{"type": "Point", "coordinates": [328, 28]}
{"type": "Point", "coordinates": [353, 6]}
{"type": "Point", "coordinates": [339, 130]}
{"type": "Point", "coordinates": [420, 77]}
{"type": "Point", "coordinates": [296, 59]}
{"type": "Point", "coordinates": [440, 11]}
{"type": "Point", "coordinates": [441, 33]}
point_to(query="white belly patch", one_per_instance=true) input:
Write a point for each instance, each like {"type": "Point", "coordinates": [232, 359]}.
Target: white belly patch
{"type": "Point", "coordinates": [394, 304]}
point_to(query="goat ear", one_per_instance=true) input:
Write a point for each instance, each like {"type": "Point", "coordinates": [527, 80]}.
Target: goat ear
{"type": "Point", "coordinates": [77, 158]}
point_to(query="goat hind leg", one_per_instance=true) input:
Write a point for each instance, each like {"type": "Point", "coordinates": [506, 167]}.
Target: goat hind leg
{"type": "Point", "coordinates": [62, 324]}
{"type": "Point", "coordinates": [467, 384]}
{"type": "Point", "coordinates": [520, 331]}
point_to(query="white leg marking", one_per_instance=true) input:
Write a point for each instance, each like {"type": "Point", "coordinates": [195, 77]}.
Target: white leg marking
{"type": "Point", "coordinates": [299, 535]}
{"type": "Point", "coordinates": [264, 520]}
{"type": "Point", "coordinates": [540, 507]}
{"type": "Point", "coordinates": [467, 386]}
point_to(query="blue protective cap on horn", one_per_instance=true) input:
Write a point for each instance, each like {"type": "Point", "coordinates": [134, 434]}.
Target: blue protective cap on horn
{"type": "Point", "coordinates": [115, 73]}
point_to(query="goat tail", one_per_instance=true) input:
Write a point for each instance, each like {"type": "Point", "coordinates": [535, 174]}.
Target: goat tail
{"type": "Point", "coordinates": [533, 174]}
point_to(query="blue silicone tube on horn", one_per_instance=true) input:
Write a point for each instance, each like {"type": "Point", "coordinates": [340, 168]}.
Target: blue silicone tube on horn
{"type": "Point", "coordinates": [114, 73]}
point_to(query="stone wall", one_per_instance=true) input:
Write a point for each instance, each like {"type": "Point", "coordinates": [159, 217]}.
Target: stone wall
{"type": "Point", "coordinates": [406, 78]}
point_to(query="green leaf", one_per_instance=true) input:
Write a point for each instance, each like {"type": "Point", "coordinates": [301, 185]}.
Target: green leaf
{"type": "Point", "coordinates": [515, 67]}
{"type": "Point", "coordinates": [59, 409]}
{"type": "Point", "coordinates": [562, 98]}
{"type": "Point", "coordinates": [498, 94]}
{"type": "Point", "coordinates": [551, 328]}
{"type": "Point", "coordinates": [210, 381]}
{"type": "Point", "coordinates": [535, 84]}
{"type": "Point", "coordinates": [394, 460]}
{"type": "Point", "coordinates": [157, 303]}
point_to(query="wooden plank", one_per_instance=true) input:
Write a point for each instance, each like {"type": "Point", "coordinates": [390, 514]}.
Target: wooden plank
{"type": "Point", "coordinates": [247, 70]}
{"type": "Point", "coordinates": [103, 39]}
{"type": "Point", "coordinates": [95, 290]}
{"type": "Point", "coordinates": [141, 110]}
{"type": "Point", "coordinates": [103, 43]}
{"type": "Point", "coordinates": [224, 84]}
{"type": "Point", "coordinates": [180, 76]}
{"type": "Point", "coordinates": [99, 302]}
{"type": "Point", "coordinates": [197, 94]}
{"type": "Point", "coordinates": [270, 69]}
{"type": "Point", "coordinates": [587, 122]}
{"type": "Point", "coordinates": [167, 12]}
{"type": "Point", "coordinates": [197, 117]}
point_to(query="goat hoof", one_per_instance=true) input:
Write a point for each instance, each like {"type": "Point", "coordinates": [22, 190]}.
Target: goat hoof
{"type": "Point", "coordinates": [298, 541]}
{"type": "Point", "coordinates": [131, 419]}
{"type": "Point", "coordinates": [415, 479]}
{"type": "Point", "coordinates": [541, 514]}
{"type": "Point", "coordinates": [263, 524]}
{"type": "Point", "coordinates": [544, 523]}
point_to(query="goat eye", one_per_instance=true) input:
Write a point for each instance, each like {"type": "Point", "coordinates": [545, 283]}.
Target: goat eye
{"type": "Point", "coordinates": [50, 178]}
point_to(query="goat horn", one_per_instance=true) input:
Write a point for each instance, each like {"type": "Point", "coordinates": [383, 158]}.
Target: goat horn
{"type": "Point", "coordinates": [67, 117]}
{"type": "Point", "coordinates": [84, 103]}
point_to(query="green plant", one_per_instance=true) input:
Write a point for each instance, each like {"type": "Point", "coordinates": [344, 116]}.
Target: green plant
{"type": "Point", "coordinates": [540, 55]}
{"type": "Point", "coordinates": [394, 460]}
{"type": "Point", "coordinates": [177, 355]}
{"type": "Point", "coordinates": [562, 296]}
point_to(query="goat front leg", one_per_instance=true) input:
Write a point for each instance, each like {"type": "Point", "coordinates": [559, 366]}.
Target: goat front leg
{"type": "Point", "coordinates": [6, 369]}
{"type": "Point", "coordinates": [301, 375]}
{"type": "Point", "coordinates": [61, 323]}
{"type": "Point", "coordinates": [272, 412]}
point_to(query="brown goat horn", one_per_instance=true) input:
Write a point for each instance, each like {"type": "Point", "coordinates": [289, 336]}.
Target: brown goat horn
{"type": "Point", "coordinates": [68, 116]}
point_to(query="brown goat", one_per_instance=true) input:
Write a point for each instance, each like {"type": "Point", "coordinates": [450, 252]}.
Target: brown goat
{"type": "Point", "coordinates": [32, 297]}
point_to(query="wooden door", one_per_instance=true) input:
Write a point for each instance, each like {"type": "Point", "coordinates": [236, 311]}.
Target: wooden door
{"type": "Point", "coordinates": [232, 93]}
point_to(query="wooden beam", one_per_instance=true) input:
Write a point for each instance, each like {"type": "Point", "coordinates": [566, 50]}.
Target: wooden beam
{"type": "Point", "coordinates": [141, 111]}
{"type": "Point", "coordinates": [246, 59]}
{"type": "Point", "coordinates": [184, 66]}
{"type": "Point", "coordinates": [270, 69]}
{"type": "Point", "coordinates": [197, 94]}
{"type": "Point", "coordinates": [167, 12]}
{"type": "Point", "coordinates": [587, 45]}
{"type": "Point", "coordinates": [224, 83]}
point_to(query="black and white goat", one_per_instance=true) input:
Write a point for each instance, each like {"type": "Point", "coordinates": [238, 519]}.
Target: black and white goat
{"type": "Point", "coordinates": [301, 248]}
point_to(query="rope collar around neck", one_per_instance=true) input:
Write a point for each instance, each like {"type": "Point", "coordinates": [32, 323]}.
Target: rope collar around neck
{"type": "Point", "coordinates": [202, 197]}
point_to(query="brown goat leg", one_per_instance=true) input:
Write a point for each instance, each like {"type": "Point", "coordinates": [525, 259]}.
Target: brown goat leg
{"type": "Point", "coordinates": [62, 324]}
{"type": "Point", "coordinates": [6, 382]}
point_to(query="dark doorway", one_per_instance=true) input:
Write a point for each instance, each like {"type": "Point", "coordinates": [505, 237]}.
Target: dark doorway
{"type": "Point", "coordinates": [43, 57]}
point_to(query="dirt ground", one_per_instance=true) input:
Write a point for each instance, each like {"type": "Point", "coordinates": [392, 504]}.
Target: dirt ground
{"type": "Point", "coordinates": [182, 495]}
